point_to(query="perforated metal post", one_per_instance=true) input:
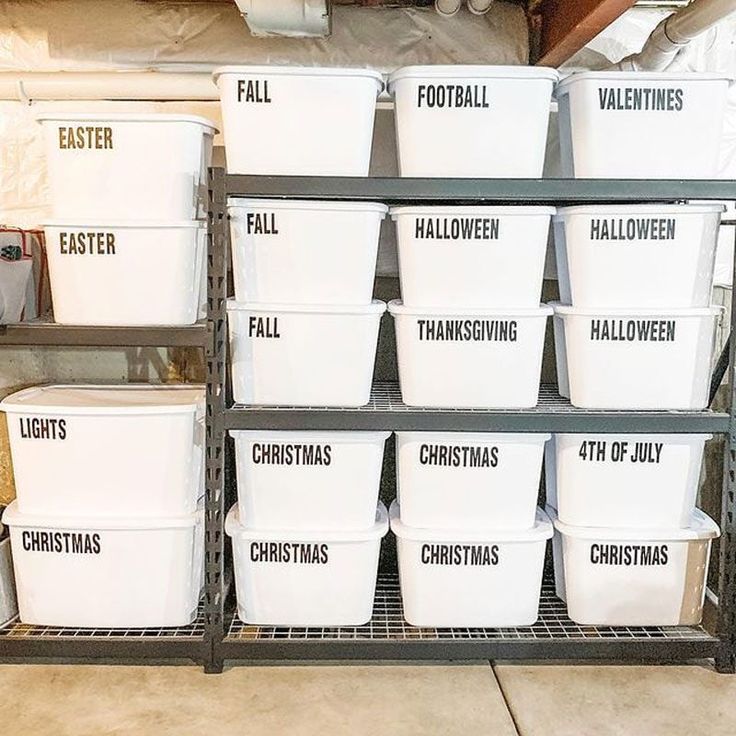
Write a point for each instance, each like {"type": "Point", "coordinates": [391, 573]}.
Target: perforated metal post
{"type": "Point", "coordinates": [217, 255]}
{"type": "Point", "coordinates": [726, 659]}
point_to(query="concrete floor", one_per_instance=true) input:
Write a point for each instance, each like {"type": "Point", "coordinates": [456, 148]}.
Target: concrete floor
{"type": "Point", "coordinates": [378, 699]}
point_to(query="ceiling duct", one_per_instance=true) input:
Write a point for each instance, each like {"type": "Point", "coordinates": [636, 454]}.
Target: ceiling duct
{"type": "Point", "coordinates": [293, 18]}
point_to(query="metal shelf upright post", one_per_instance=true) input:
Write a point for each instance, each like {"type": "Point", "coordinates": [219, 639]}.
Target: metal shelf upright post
{"type": "Point", "coordinates": [387, 636]}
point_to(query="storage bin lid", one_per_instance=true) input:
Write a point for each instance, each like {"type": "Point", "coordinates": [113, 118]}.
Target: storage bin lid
{"type": "Point", "coordinates": [125, 117]}
{"type": "Point", "coordinates": [290, 436]}
{"type": "Point", "coordinates": [541, 531]}
{"type": "Point", "coordinates": [473, 71]}
{"type": "Point", "coordinates": [485, 438]}
{"type": "Point", "coordinates": [396, 306]}
{"type": "Point", "coordinates": [14, 518]}
{"type": "Point", "coordinates": [237, 203]}
{"type": "Point", "coordinates": [105, 400]}
{"type": "Point", "coordinates": [77, 224]}
{"type": "Point", "coordinates": [301, 71]}
{"type": "Point", "coordinates": [501, 210]}
{"type": "Point", "coordinates": [565, 309]}
{"type": "Point", "coordinates": [628, 77]}
{"type": "Point", "coordinates": [701, 527]}
{"type": "Point", "coordinates": [635, 210]}
{"type": "Point", "coordinates": [235, 526]}
{"type": "Point", "coordinates": [375, 307]}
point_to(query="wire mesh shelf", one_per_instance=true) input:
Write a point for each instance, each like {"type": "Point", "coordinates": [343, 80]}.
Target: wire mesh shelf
{"type": "Point", "coordinates": [17, 630]}
{"type": "Point", "coordinates": [388, 623]}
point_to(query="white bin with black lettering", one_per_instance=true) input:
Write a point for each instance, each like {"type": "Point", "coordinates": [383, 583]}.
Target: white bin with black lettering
{"type": "Point", "coordinates": [123, 166]}
{"type": "Point", "coordinates": [305, 578]}
{"type": "Point", "coordinates": [94, 572]}
{"type": "Point", "coordinates": [636, 358]}
{"type": "Point", "coordinates": [93, 266]}
{"type": "Point", "coordinates": [645, 481]}
{"type": "Point", "coordinates": [303, 354]}
{"type": "Point", "coordinates": [303, 252]}
{"type": "Point", "coordinates": [636, 577]}
{"type": "Point", "coordinates": [107, 451]}
{"type": "Point", "coordinates": [473, 121]}
{"type": "Point", "coordinates": [641, 125]}
{"type": "Point", "coordinates": [472, 256]}
{"type": "Point", "coordinates": [470, 578]}
{"type": "Point", "coordinates": [468, 480]}
{"type": "Point", "coordinates": [290, 120]}
{"type": "Point", "coordinates": [490, 358]}
{"type": "Point", "coordinates": [637, 255]}
{"type": "Point", "coordinates": [300, 480]}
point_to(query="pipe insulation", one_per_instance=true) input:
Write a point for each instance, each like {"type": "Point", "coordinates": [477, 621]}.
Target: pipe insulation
{"type": "Point", "coordinates": [28, 86]}
{"type": "Point", "coordinates": [675, 32]}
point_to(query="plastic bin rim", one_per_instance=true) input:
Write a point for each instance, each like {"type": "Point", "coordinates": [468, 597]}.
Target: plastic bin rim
{"type": "Point", "coordinates": [567, 310]}
{"type": "Point", "coordinates": [85, 224]}
{"type": "Point", "coordinates": [375, 307]}
{"type": "Point", "coordinates": [699, 208]}
{"type": "Point", "coordinates": [290, 435]}
{"type": "Point", "coordinates": [236, 203]}
{"type": "Point", "coordinates": [301, 71]}
{"type": "Point", "coordinates": [518, 210]}
{"type": "Point", "coordinates": [540, 532]}
{"type": "Point", "coordinates": [396, 306]}
{"type": "Point", "coordinates": [616, 76]}
{"type": "Point", "coordinates": [474, 71]}
{"type": "Point", "coordinates": [701, 527]}
{"type": "Point", "coordinates": [13, 517]}
{"type": "Point", "coordinates": [233, 527]}
{"type": "Point", "coordinates": [126, 117]}
{"type": "Point", "coordinates": [479, 437]}
{"type": "Point", "coordinates": [15, 402]}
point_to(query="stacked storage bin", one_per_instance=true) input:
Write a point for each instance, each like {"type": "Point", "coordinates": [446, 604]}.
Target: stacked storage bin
{"type": "Point", "coordinates": [106, 530]}
{"type": "Point", "coordinates": [307, 527]}
{"type": "Point", "coordinates": [635, 331]}
{"type": "Point", "coordinates": [470, 333]}
{"type": "Point", "coordinates": [126, 245]}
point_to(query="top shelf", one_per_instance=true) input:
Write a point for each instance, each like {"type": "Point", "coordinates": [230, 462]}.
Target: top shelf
{"type": "Point", "coordinates": [498, 191]}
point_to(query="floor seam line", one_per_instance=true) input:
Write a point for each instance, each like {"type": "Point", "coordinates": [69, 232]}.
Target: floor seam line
{"type": "Point", "coordinates": [506, 702]}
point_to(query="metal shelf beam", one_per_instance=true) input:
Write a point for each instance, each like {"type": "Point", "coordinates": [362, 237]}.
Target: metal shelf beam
{"type": "Point", "coordinates": [553, 414]}
{"type": "Point", "coordinates": [459, 191]}
{"type": "Point", "coordinates": [49, 334]}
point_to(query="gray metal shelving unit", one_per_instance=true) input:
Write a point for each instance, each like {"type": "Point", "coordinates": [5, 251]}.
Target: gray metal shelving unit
{"type": "Point", "coordinates": [387, 636]}
{"type": "Point", "coordinates": [25, 643]}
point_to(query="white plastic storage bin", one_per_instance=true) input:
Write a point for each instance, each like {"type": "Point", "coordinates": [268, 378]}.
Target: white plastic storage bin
{"type": "Point", "coordinates": [308, 480]}
{"type": "Point", "coordinates": [474, 121]}
{"type": "Point", "coordinates": [109, 451]}
{"type": "Point", "coordinates": [462, 480]}
{"type": "Point", "coordinates": [303, 355]}
{"type": "Point", "coordinates": [650, 125]}
{"type": "Point", "coordinates": [302, 252]}
{"type": "Point", "coordinates": [636, 577]}
{"type": "Point", "coordinates": [116, 273]}
{"type": "Point", "coordinates": [472, 257]}
{"type": "Point", "coordinates": [647, 481]}
{"type": "Point", "coordinates": [128, 166]}
{"type": "Point", "coordinates": [107, 573]}
{"type": "Point", "coordinates": [469, 359]}
{"type": "Point", "coordinates": [637, 358]}
{"type": "Point", "coordinates": [637, 255]}
{"type": "Point", "coordinates": [308, 578]}
{"type": "Point", "coordinates": [472, 578]}
{"type": "Point", "coordinates": [310, 121]}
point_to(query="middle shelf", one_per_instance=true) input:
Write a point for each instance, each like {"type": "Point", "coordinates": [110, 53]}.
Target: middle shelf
{"type": "Point", "coordinates": [386, 411]}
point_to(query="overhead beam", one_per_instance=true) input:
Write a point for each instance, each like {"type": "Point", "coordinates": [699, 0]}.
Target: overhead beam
{"type": "Point", "coordinates": [565, 26]}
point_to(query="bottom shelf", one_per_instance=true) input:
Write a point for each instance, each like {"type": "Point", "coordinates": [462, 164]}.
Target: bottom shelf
{"type": "Point", "coordinates": [388, 636]}
{"type": "Point", "coordinates": [18, 640]}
